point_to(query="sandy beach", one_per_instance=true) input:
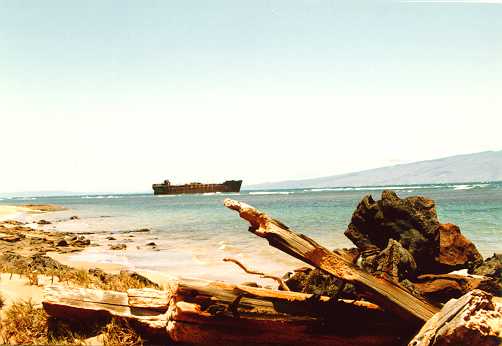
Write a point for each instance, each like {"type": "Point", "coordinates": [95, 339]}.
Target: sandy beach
{"type": "Point", "coordinates": [11, 211]}
{"type": "Point", "coordinates": [32, 241]}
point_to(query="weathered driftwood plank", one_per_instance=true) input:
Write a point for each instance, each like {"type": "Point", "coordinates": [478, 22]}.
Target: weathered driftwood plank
{"type": "Point", "coordinates": [190, 324]}
{"type": "Point", "coordinates": [208, 312]}
{"type": "Point", "coordinates": [473, 319]}
{"type": "Point", "coordinates": [81, 303]}
{"type": "Point", "coordinates": [261, 300]}
{"type": "Point", "coordinates": [389, 295]}
{"type": "Point", "coordinates": [148, 298]}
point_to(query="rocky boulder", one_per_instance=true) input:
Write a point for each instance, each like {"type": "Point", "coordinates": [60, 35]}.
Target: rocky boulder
{"type": "Point", "coordinates": [454, 251]}
{"type": "Point", "coordinates": [43, 222]}
{"type": "Point", "coordinates": [394, 262]}
{"type": "Point", "coordinates": [492, 268]}
{"type": "Point", "coordinates": [412, 222]}
{"type": "Point", "coordinates": [118, 247]}
{"type": "Point", "coordinates": [314, 281]}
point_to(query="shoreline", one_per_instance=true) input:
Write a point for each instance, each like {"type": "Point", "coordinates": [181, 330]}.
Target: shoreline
{"type": "Point", "coordinates": [12, 211]}
{"type": "Point", "coordinates": [17, 286]}
{"type": "Point", "coordinates": [41, 255]}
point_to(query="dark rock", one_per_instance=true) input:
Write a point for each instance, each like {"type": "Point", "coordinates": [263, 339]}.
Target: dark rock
{"type": "Point", "coordinates": [43, 264]}
{"type": "Point", "coordinates": [110, 238]}
{"type": "Point", "coordinates": [491, 267]}
{"type": "Point", "coordinates": [314, 281]}
{"type": "Point", "coordinates": [144, 280]}
{"type": "Point", "coordinates": [151, 244]}
{"type": "Point", "coordinates": [43, 222]}
{"type": "Point", "coordinates": [118, 247]}
{"type": "Point", "coordinates": [141, 230]}
{"type": "Point", "coordinates": [455, 251]}
{"type": "Point", "coordinates": [74, 217]}
{"type": "Point", "coordinates": [394, 262]}
{"type": "Point", "coordinates": [62, 242]}
{"type": "Point", "coordinates": [414, 224]}
{"type": "Point", "coordinates": [81, 242]}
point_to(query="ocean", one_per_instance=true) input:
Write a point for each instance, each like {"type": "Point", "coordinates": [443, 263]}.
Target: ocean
{"type": "Point", "coordinates": [193, 233]}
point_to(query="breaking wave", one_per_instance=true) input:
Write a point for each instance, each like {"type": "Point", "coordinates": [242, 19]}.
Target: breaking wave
{"type": "Point", "coordinates": [468, 186]}
{"type": "Point", "coordinates": [404, 187]}
{"type": "Point", "coordinates": [100, 197]}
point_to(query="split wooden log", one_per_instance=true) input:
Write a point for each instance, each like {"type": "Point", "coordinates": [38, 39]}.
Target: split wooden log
{"type": "Point", "coordinates": [256, 300]}
{"type": "Point", "coordinates": [208, 313]}
{"type": "Point", "coordinates": [390, 295]}
{"type": "Point", "coordinates": [473, 319]}
{"type": "Point", "coordinates": [145, 307]}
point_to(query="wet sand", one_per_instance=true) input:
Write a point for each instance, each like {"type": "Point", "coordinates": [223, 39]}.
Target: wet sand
{"type": "Point", "coordinates": [9, 211]}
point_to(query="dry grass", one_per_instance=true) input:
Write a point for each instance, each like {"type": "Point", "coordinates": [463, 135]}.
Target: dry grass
{"type": "Point", "coordinates": [24, 324]}
{"type": "Point", "coordinates": [120, 332]}
{"type": "Point", "coordinates": [32, 268]}
{"type": "Point", "coordinates": [113, 282]}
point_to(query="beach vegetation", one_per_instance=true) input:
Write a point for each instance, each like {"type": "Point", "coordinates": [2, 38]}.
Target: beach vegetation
{"type": "Point", "coordinates": [25, 323]}
{"type": "Point", "coordinates": [120, 332]}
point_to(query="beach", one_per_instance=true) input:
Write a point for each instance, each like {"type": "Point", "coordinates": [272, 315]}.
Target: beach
{"type": "Point", "coordinates": [120, 242]}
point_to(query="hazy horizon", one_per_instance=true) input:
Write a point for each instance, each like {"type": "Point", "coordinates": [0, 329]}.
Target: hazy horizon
{"type": "Point", "coordinates": [265, 185]}
{"type": "Point", "coordinates": [114, 96]}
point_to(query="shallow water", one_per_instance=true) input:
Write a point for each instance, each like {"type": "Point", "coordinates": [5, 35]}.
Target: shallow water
{"type": "Point", "coordinates": [195, 232]}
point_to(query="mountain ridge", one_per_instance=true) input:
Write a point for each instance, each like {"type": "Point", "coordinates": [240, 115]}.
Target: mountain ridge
{"type": "Point", "coordinates": [474, 167]}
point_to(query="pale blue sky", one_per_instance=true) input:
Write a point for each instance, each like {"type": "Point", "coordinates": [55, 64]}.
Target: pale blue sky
{"type": "Point", "coordinates": [114, 95]}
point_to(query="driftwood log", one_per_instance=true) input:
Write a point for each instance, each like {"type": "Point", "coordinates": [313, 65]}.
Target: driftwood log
{"type": "Point", "coordinates": [473, 319]}
{"type": "Point", "coordinates": [145, 307]}
{"type": "Point", "coordinates": [256, 300]}
{"type": "Point", "coordinates": [210, 313]}
{"type": "Point", "coordinates": [390, 295]}
{"type": "Point", "coordinates": [193, 311]}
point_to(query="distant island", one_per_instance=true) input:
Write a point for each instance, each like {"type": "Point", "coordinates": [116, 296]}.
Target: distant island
{"type": "Point", "coordinates": [477, 167]}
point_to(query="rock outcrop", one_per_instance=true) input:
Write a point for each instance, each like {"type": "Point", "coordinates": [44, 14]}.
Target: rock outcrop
{"type": "Point", "coordinates": [492, 268]}
{"type": "Point", "coordinates": [454, 251]}
{"type": "Point", "coordinates": [118, 246]}
{"type": "Point", "coordinates": [412, 222]}
{"type": "Point", "coordinates": [394, 261]}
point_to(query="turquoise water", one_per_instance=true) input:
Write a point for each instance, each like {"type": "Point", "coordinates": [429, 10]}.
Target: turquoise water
{"type": "Point", "coordinates": [194, 232]}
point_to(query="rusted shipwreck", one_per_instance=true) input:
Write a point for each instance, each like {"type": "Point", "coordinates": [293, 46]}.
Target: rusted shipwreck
{"type": "Point", "coordinates": [166, 188]}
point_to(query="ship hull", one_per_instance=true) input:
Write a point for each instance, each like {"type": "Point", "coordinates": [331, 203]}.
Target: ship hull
{"type": "Point", "coordinates": [167, 189]}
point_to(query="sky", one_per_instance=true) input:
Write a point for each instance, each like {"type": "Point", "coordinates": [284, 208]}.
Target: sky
{"type": "Point", "coordinates": [113, 96]}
